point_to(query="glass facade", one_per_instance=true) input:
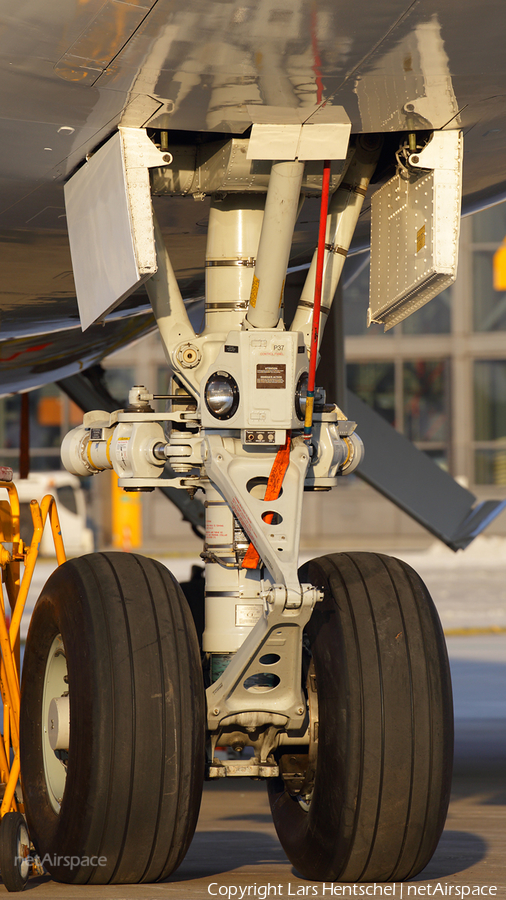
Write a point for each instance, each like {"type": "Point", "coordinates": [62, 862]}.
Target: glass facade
{"type": "Point", "coordinates": [426, 406]}
{"type": "Point", "coordinates": [489, 316]}
{"type": "Point", "coordinates": [489, 226]}
{"type": "Point", "coordinates": [355, 280]}
{"type": "Point", "coordinates": [413, 397]}
{"type": "Point", "coordinates": [440, 377]}
{"type": "Point", "coordinates": [490, 421]}
{"type": "Point", "coordinates": [425, 397]}
{"type": "Point", "coordinates": [374, 383]}
{"type": "Point", "coordinates": [489, 308]}
{"type": "Point", "coordinates": [163, 379]}
{"type": "Point", "coordinates": [489, 292]}
{"type": "Point", "coordinates": [119, 380]}
{"type": "Point", "coordinates": [490, 400]}
{"type": "Point", "coordinates": [52, 415]}
{"type": "Point", "coordinates": [433, 318]}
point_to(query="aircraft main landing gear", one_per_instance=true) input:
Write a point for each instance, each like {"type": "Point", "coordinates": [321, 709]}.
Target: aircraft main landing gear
{"type": "Point", "coordinates": [336, 676]}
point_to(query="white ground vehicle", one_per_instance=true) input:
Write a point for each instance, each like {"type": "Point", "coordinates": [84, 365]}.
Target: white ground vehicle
{"type": "Point", "coordinates": [69, 494]}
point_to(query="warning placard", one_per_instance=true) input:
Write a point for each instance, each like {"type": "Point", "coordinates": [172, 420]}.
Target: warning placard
{"type": "Point", "coordinates": [271, 376]}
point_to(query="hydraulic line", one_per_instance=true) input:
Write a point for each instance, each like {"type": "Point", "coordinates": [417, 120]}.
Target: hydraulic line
{"type": "Point", "coordinates": [343, 213]}
{"type": "Point", "coordinates": [315, 327]}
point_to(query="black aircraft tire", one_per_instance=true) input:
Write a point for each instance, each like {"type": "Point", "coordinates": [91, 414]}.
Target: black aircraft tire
{"type": "Point", "coordinates": [117, 629]}
{"type": "Point", "coordinates": [385, 734]}
{"type": "Point", "coordinates": [14, 851]}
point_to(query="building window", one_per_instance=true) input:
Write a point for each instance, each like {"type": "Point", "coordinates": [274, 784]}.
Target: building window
{"type": "Point", "coordinates": [119, 380]}
{"type": "Point", "coordinates": [374, 383]}
{"type": "Point", "coordinates": [413, 396]}
{"type": "Point", "coordinates": [433, 318]}
{"type": "Point", "coordinates": [425, 392]}
{"type": "Point", "coordinates": [355, 282]}
{"type": "Point", "coordinates": [425, 406]}
{"type": "Point", "coordinates": [489, 295]}
{"type": "Point", "coordinates": [52, 415]}
{"type": "Point", "coordinates": [490, 421]}
{"type": "Point", "coordinates": [489, 309]}
{"type": "Point", "coordinates": [489, 226]}
{"type": "Point", "coordinates": [163, 380]}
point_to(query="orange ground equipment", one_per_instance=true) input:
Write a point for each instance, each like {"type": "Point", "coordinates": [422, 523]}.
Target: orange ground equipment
{"type": "Point", "coordinates": [14, 843]}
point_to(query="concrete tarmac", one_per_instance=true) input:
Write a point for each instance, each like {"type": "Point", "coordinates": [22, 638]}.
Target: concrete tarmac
{"type": "Point", "coordinates": [235, 852]}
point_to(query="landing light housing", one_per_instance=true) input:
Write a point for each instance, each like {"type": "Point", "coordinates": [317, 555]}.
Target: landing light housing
{"type": "Point", "coordinates": [301, 396]}
{"type": "Point", "coordinates": [221, 395]}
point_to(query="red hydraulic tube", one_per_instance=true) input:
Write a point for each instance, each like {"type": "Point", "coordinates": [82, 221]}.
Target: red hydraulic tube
{"type": "Point", "coordinates": [315, 327]}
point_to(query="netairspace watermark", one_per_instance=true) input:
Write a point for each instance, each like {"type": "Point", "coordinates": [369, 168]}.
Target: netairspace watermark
{"type": "Point", "coordinates": [401, 891]}
{"type": "Point", "coordinates": [71, 862]}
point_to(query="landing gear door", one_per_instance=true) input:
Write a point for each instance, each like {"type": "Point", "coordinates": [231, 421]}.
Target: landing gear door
{"type": "Point", "coordinates": [110, 222]}
{"type": "Point", "coordinates": [415, 224]}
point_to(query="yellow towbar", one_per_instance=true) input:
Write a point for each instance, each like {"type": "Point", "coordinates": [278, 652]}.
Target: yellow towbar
{"type": "Point", "coordinates": [16, 589]}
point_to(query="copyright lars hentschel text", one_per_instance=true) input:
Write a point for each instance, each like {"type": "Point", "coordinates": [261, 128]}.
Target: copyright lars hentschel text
{"type": "Point", "coordinates": [327, 889]}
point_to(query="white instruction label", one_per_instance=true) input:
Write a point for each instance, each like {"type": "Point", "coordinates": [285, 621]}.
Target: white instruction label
{"type": "Point", "coordinates": [248, 613]}
{"type": "Point", "coordinates": [122, 451]}
{"type": "Point", "coordinates": [219, 525]}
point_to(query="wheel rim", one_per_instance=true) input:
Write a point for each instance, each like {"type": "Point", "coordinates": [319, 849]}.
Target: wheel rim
{"type": "Point", "coordinates": [23, 852]}
{"type": "Point", "coordinates": [306, 791]}
{"type": "Point", "coordinates": [301, 788]}
{"type": "Point", "coordinates": [55, 685]}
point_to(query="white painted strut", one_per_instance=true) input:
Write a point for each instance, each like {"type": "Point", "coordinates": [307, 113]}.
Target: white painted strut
{"type": "Point", "coordinates": [344, 210]}
{"type": "Point", "coordinates": [235, 223]}
{"type": "Point", "coordinates": [280, 215]}
{"type": "Point", "coordinates": [166, 299]}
